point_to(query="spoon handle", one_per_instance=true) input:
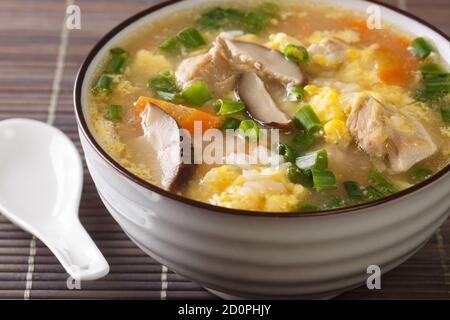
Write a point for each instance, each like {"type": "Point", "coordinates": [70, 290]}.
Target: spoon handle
{"type": "Point", "coordinates": [77, 252]}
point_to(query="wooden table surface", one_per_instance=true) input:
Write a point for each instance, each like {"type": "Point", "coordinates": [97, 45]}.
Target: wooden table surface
{"type": "Point", "coordinates": [39, 59]}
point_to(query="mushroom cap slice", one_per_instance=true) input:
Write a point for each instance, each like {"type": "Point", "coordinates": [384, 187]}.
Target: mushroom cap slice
{"type": "Point", "coordinates": [162, 135]}
{"type": "Point", "coordinates": [260, 104]}
{"type": "Point", "coordinates": [269, 63]}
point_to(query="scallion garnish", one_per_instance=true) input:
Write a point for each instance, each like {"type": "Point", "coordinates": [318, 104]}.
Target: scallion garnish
{"type": "Point", "coordinates": [114, 113]}
{"type": "Point", "coordinates": [298, 176]}
{"type": "Point", "coordinates": [295, 93]}
{"type": "Point", "coordinates": [296, 53]}
{"type": "Point", "coordinates": [251, 22]}
{"type": "Point", "coordinates": [256, 21]}
{"type": "Point", "coordinates": [382, 183]}
{"type": "Point", "coordinates": [174, 97]}
{"type": "Point", "coordinates": [227, 107]}
{"type": "Point", "coordinates": [317, 159]}
{"type": "Point", "coordinates": [170, 45]}
{"type": "Point", "coordinates": [191, 38]}
{"type": "Point", "coordinates": [334, 203]}
{"type": "Point", "coordinates": [309, 208]}
{"type": "Point", "coordinates": [119, 57]}
{"type": "Point", "coordinates": [373, 193]}
{"type": "Point", "coordinates": [308, 119]}
{"type": "Point", "coordinates": [286, 151]}
{"type": "Point", "coordinates": [323, 179]}
{"type": "Point", "coordinates": [422, 174]}
{"type": "Point", "coordinates": [421, 48]}
{"type": "Point", "coordinates": [104, 83]}
{"type": "Point", "coordinates": [269, 8]}
{"type": "Point", "coordinates": [164, 81]}
{"type": "Point", "coordinates": [250, 129]}
{"type": "Point", "coordinates": [353, 190]}
{"type": "Point", "coordinates": [231, 124]}
{"type": "Point", "coordinates": [302, 142]}
{"type": "Point", "coordinates": [445, 113]}
{"type": "Point", "coordinates": [430, 68]}
{"type": "Point", "coordinates": [197, 94]}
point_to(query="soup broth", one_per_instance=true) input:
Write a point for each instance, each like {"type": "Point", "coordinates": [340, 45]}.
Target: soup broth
{"type": "Point", "coordinates": [361, 113]}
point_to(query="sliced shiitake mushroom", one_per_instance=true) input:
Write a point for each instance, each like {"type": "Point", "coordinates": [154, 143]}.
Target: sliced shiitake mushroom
{"type": "Point", "coordinates": [260, 104]}
{"type": "Point", "coordinates": [162, 135]}
{"type": "Point", "coordinates": [269, 63]}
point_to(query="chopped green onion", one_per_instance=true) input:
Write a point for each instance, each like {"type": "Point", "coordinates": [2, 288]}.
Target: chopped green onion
{"type": "Point", "coordinates": [197, 94]}
{"type": "Point", "coordinates": [104, 83]}
{"type": "Point", "coordinates": [422, 174]}
{"type": "Point", "coordinates": [353, 190]}
{"type": "Point", "coordinates": [302, 142]}
{"type": "Point", "coordinates": [164, 81]}
{"type": "Point", "coordinates": [286, 151]}
{"type": "Point", "coordinates": [215, 14]}
{"type": "Point", "coordinates": [308, 119]}
{"type": "Point", "coordinates": [114, 113]}
{"type": "Point", "coordinates": [170, 45]}
{"type": "Point", "coordinates": [382, 183]}
{"type": "Point", "coordinates": [373, 193]}
{"type": "Point", "coordinates": [115, 51]}
{"type": "Point", "coordinates": [296, 53]}
{"type": "Point", "coordinates": [226, 107]}
{"type": "Point", "coordinates": [207, 23]}
{"type": "Point", "coordinates": [169, 96]}
{"type": "Point", "coordinates": [421, 48]}
{"type": "Point", "coordinates": [256, 21]}
{"type": "Point", "coordinates": [250, 129]}
{"type": "Point", "coordinates": [435, 86]}
{"type": "Point", "coordinates": [191, 38]}
{"type": "Point", "coordinates": [309, 208]}
{"type": "Point", "coordinates": [316, 160]}
{"type": "Point", "coordinates": [250, 22]}
{"type": "Point", "coordinates": [295, 94]}
{"type": "Point", "coordinates": [323, 179]}
{"type": "Point", "coordinates": [119, 56]}
{"type": "Point", "coordinates": [334, 202]}
{"type": "Point", "coordinates": [430, 68]}
{"type": "Point", "coordinates": [269, 8]}
{"type": "Point", "coordinates": [298, 176]}
{"type": "Point", "coordinates": [231, 124]}
{"type": "Point", "coordinates": [445, 113]}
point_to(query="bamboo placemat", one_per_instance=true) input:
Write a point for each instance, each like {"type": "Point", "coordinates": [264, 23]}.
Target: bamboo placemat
{"type": "Point", "coordinates": [38, 63]}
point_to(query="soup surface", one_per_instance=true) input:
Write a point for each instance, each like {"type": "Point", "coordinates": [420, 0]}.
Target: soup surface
{"type": "Point", "coordinates": [320, 109]}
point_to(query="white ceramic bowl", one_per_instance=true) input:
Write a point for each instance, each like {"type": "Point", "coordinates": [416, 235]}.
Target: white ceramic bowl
{"type": "Point", "coordinates": [252, 255]}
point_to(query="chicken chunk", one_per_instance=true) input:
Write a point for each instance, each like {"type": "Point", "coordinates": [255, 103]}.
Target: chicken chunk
{"type": "Point", "coordinates": [385, 132]}
{"type": "Point", "coordinates": [329, 52]}
{"type": "Point", "coordinates": [210, 67]}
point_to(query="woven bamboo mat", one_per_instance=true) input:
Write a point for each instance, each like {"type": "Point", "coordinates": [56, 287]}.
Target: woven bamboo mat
{"type": "Point", "coordinates": [38, 63]}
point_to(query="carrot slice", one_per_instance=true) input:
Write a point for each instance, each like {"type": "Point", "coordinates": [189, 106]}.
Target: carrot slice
{"type": "Point", "coordinates": [184, 116]}
{"type": "Point", "coordinates": [394, 67]}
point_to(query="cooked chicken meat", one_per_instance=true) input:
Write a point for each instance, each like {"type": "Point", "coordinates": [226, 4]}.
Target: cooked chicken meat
{"type": "Point", "coordinates": [329, 51]}
{"type": "Point", "coordinates": [383, 131]}
{"type": "Point", "coordinates": [212, 68]}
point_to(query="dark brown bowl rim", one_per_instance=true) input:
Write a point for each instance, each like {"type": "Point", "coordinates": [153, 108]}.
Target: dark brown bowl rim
{"type": "Point", "coordinates": [201, 205]}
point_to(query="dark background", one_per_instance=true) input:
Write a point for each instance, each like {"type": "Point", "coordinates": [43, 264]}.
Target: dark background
{"type": "Point", "coordinates": [38, 64]}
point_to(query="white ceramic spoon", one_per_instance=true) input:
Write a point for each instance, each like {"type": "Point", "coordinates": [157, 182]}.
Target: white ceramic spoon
{"type": "Point", "coordinates": [40, 188]}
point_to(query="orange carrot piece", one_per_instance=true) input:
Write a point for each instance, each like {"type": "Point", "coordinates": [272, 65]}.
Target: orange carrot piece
{"type": "Point", "coordinates": [393, 66]}
{"type": "Point", "coordinates": [184, 116]}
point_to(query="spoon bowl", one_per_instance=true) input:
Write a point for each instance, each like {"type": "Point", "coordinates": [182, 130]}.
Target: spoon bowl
{"type": "Point", "coordinates": [41, 178]}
